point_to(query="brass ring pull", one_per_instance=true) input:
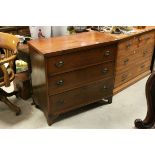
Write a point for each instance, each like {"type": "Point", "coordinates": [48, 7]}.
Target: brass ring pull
{"type": "Point", "coordinates": [142, 66]}
{"type": "Point", "coordinates": [104, 87]}
{"type": "Point", "coordinates": [60, 83]}
{"type": "Point", "coordinates": [107, 53]}
{"type": "Point", "coordinates": [139, 39]}
{"type": "Point", "coordinates": [124, 76]}
{"type": "Point", "coordinates": [128, 45]}
{"type": "Point", "coordinates": [60, 102]}
{"type": "Point", "coordinates": [105, 70]}
{"type": "Point", "coordinates": [59, 64]}
{"type": "Point", "coordinates": [126, 61]}
{"type": "Point", "coordinates": [136, 38]}
{"type": "Point", "coordinates": [145, 52]}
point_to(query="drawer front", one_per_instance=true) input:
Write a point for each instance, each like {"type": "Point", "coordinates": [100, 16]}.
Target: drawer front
{"type": "Point", "coordinates": [131, 73]}
{"type": "Point", "coordinates": [131, 46]}
{"type": "Point", "coordinates": [122, 78]}
{"type": "Point", "coordinates": [71, 61]}
{"type": "Point", "coordinates": [146, 38]}
{"type": "Point", "coordinates": [145, 66]}
{"type": "Point", "coordinates": [81, 96]}
{"type": "Point", "coordinates": [143, 54]}
{"type": "Point", "coordinates": [70, 80]}
{"type": "Point", "coordinates": [147, 50]}
{"type": "Point", "coordinates": [128, 45]}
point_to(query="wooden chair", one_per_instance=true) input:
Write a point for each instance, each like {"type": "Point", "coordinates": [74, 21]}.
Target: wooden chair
{"type": "Point", "coordinates": [8, 51]}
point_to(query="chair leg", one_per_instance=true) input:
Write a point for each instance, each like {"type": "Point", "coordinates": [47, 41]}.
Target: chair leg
{"type": "Point", "coordinates": [3, 98]}
{"type": "Point", "coordinates": [13, 107]}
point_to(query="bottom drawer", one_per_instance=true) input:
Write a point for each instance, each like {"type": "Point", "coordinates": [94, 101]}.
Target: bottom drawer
{"type": "Point", "coordinates": [81, 96]}
{"type": "Point", "coordinates": [132, 73]}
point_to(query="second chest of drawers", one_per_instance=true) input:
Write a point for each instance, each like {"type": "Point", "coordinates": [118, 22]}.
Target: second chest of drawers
{"type": "Point", "coordinates": [134, 58]}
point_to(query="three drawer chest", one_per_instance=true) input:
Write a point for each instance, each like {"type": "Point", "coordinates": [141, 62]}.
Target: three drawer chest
{"type": "Point", "coordinates": [69, 72]}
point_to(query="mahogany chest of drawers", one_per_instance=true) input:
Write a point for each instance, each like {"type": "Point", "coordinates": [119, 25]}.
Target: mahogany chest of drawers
{"type": "Point", "coordinates": [72, 71]}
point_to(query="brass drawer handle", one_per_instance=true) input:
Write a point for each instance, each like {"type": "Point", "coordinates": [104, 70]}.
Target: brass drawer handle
{"type": "Point", "coordinates": [124, 77]}
{"type": "Point", "coordinates": [142, 66]}
{"type": "Point", "coordinates": [60, 102]}
{"type": "Point", "coordinates": [126, 61]}
{"type": "Point", "coordinates": [105, 87]}
{"type": "Point", "coordinates": [107, 53]}
{"type": "Point", "coordinates": [144, 52]}
{"type": "Point", "coordinates": [136, 38]}
{"type": "Point", "coordinates": [59, 64]}
{"type": "Point", "coordinates": [139, 39]}
{"type": "Point", "coordinates": [105, 70]}
{"type": "Point", "coordinates": [60, 83]}
{"type": "Point", "coordinates": [128, 45]}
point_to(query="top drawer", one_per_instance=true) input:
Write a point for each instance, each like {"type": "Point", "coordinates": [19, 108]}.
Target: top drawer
{"type": "Point", "coordinates": [146, 38]}
{"type": "Point", "coordinates": [75, 60]}
{"type": "Point", "coordinates": [128, 45]}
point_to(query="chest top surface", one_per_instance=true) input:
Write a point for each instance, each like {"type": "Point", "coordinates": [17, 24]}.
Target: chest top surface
{"type": "Point", "coordinates": [58, 44]}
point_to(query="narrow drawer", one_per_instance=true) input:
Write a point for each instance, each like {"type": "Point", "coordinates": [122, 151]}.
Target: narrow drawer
{"type": "Point", "coordinates": [70, 80]}
{"type": "Point", "coordinates": [145, 66]}
{"type": "Point", "coordinates": [122, 53]}
{"type": "Point", "coordinates": [81, 96]}
{"type": "Point", "coordinates": [126, 62]}
{"type": "Point", "coordinates": [131, 46]}
{"type": "Point", "coordinates": [71, 61]}
{"type": "Point", "coordinates": [147, 50]}
{"type": "Point", "coordinates": [146, 38]}
{"type": "Point", "coordinates": [141, 55]}
{"type": "Point", "coordinates": [128, 45]}
{"type": "Point", "coordinates": [123, 77]}
{"type": "Point", "coordinates": [132, 73]}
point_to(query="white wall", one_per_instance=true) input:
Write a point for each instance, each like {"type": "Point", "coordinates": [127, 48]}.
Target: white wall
{"type": "Point", "coordinates": [46, 31]}
{"type": "Point", "coordinates": [59, 31]}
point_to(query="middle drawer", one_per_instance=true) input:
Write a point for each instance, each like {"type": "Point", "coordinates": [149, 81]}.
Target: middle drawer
{"type": "Point", "coordinates": [73, 79]}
